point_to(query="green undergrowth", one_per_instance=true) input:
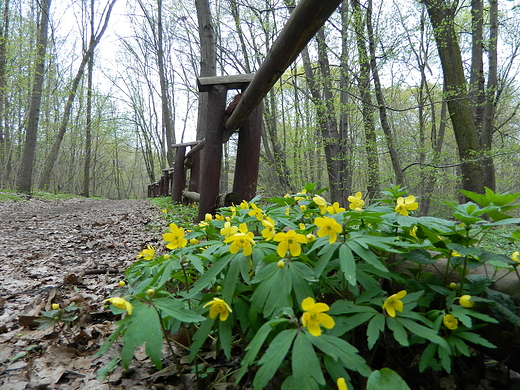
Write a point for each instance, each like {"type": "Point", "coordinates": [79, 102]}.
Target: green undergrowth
{"type": "Point", "coordinates": [11, 195]}
{"type": "Point", "coordinates": [302, 293]}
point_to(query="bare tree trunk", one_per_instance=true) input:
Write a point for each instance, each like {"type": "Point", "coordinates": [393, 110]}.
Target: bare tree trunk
{"type": "Point", "coordinates": [25, 172]}
{"type": "Point", "coordinates": [442, 18]}
{"type": "Point", "coordinates": [394, 157]}
{"type": "Point", "coordinates": [5, 136]}
{"type": "Point", "coordinates": [366, 101]}
{"type": "Point", "coordinates": [88, 130]}
{"type": "Point", "coordinates": [486, 134]}
{"type": "Point", "coordinates": [208, 58]}
{"type": "Point", "coordinates": [53, 154]}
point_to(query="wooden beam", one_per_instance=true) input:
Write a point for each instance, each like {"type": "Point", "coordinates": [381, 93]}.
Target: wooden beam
{"type": "Point", "coordinates": [231, 82]}
{"type": "Point", "coordinates": [306, 19]}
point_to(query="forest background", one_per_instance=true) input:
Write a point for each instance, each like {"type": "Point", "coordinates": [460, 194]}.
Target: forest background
{"type": "Point", "coordinates": [93, 93]}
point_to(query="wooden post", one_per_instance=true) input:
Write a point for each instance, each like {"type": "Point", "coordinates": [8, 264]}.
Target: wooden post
{"type": "Point", "coordinates": [179, 175]}
{"type": "Point", "coordinates": [212, 152]}
{"type": "Point", "coordinates": [193, 184]}
{"type": "Point", "coordinates": [248, 155]}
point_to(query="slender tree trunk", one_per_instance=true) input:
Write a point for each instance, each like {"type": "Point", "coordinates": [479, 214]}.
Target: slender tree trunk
{"type": "Point", "coordinates": [5, 136]}
{"type": "Point", "coordinates": [486, 135]}
{"type": "Point", "coordinates": [459, 107]}
{"type": "Point", "coordinates": [167, 118]}
{"type": "Point", "coordinates": [208, 58]}
{"type": "Point", "coordinates": [88, 129]}
{"type": "Point", "coordinates": [25, 172]}
{"type": "Point", "coordinates": [366, 101]}
{"type": "Point", "coordinates": [53, 154]}
{"type": "Point", "coordinates": [385, 125]}
{"type": "Point", "coordinates": [476, 80]}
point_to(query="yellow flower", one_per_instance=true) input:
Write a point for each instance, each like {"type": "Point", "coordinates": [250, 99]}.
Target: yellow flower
{"type": "Point", "coordinates": [466, 301]}
{"type": "Point", "coordinates": [165, 211]}
{"type": "Point", "coordinates": [516, 257]}
{"type": "Point", "coordinates": [321, 203]}
{"type": "Point", "coordinates": [342, 385]}
{"type": "Point", "coordinates": [219, 217]}
{"type": "Point", "coordinates": [268, 233]}
{"type": "Point", "coordinates": [194, 241]}
{"type": "Point", "coordinates": [175, 238]}
{"type": "Point", "coordinates": [303, 207]}
{"type": "Point", "coordinates": [289, 241]}
{"type": "Point", "coordinates": [335, 209]}
{"type": "Point", "coordinates": [328, 227]}
{"type": "Point", "coordinates": [233, 211]}
{"type": "Point", "coordinates": [147, 254]}
{"type": "Point", "coordinates": [310, 237]}
{"type": "Point", "coordinates": [301, 226]}
{"type": "Point", "coordinates": [243, 239]}
{"type": "Point", "coordinates": [228, 230]}
{"type": "Point", "coordinates": [356, 202]}
{"type": "Point", "coordinates": [256, 212]}
{"type": "Point", "coordinates": [122, 283]}
{"type": "Point", "coordinates": [393, 303]}
{"type": "Point", "coordinates": [244, 205]}
{"type": "Point", "coordinates": [55, 306]}
{"type": "Point", "coordinates": [413, 232]}
{"type": "Point", "coordinates": [456, 254]}
{"type": "Point", "coordinates": [405, 205]}
{"type": "Point", "coordinates": [208, 217]}
{"type": "Point", "coordinates": [450, 322]}
{"type": "Point", "coordinates": [314, 316]}
{"type": "Point", "coordinates": [121, 303]}
{"type": "Point", "coordinates": [218, 306]}
{"type": "Point", "coordinates": [302, 192]}
{"type": "Point", "coordinates": [287, 211]}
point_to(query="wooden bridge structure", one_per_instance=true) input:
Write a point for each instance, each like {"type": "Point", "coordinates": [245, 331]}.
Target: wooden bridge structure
{"type": "Point", "coordinates": [205, 156]}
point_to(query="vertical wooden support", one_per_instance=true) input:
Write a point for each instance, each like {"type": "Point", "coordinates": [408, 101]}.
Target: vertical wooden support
{"type": "Point", "coordinates": [248, 155]}
{"type": "Point", "coordinates": [212, 152]}
{"type": "Point", "coordinates": [179, 175]}
{"type": "Point", "coordinates": [193, 185]}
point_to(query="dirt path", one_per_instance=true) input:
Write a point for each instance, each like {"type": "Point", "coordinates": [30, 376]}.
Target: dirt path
{"type": "Point", "coordinates": [60, 252]}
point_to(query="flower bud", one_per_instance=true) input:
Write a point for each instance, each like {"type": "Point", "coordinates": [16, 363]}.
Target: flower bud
{"type": "Point", "coordinates": [465, 301]}
{"type": "Point", "coordinates": [122, 283]}
{"type": "Point", "coordinates": [281, 264]}
{"type": "Point", "coordinates": [219, 288]}
{"type": "Point", "coordinates": [55, 306]}
{"type": "Point", "coordinates": [453, 285]}
{"type": "Point", "coordinates": [150, 291]}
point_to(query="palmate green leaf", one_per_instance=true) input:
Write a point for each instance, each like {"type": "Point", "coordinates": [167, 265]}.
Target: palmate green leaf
{"type": "Point", "coordinates": [366, 255]}
{"type": "Point", "coordinates": [273, 293]}
{"type": "Point", "coordinates": [341, 351]}
{"type": "Point", "coordinates": [419, 256]}
{"type": "Point", "coordinates": [375, 327]}
{"type": "Point", "coordinates": [207, 279]}
{"type": "Point", "coordinates": [174, 308]}
{"type": "Point", "coordinates": [347, 264]}
{"type": "Point", "coordinates": [324, 257]}
{"type": "Point", "coordinates": [348, 307]}
{"type": "Point", "coordinates": [301, 274]}
{"type": "Point", "coordinates": [306, 367]}
{"type": "Point", "coordinates": [143, 327]}
{"type": "Point", "coordinates": [231, 279]}
{"type": "Point", "coordinates": [384, 243]}
{"type": "Point", "coordinates": [273, 357]}
{"type": "Point", "coordinates": [254, 346]}
{"type": "Point", "coordinates": [423, 331]}
{"type": "Point", "coordinates": [200, 337]}
{"type": "Point", "coordinates": [428, 357]}
{"type": "Point", "coordinates": [458, 344]}
{"type": "Point", "coordinates": [475, 339]}
{"type": "Point", "coordinates": [400, 334]}
{"type": "Point", "coordinates": [386, 379]}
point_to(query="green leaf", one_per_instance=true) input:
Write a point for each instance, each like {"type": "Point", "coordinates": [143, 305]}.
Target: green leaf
{"type": "Point", "coordinates": [143, 327]}
{"type": "Point", "coordinates": [400, 334]}
{"type": "Point", "coordinates": [207, 279]}
{"type": "Point", "coordinates": [458, 345]}
{"type": "Point", "coordinates": [375, 327]}
{"type": "Point", "coordinates": [200, 337]}
{"type": "Point", "coordinates": [423, 331]}
{"type": "Point", "coordinates": [273, 293]}
{"type": "Point", "coordinates": [300, 274]}
{"type": "Point", "coordinates": [273, 357]}
{"type": "Point", "coordinates": [347, 264]}
{"type": "Point", "coordinates": [231, 279]}
{"type": "Point", "coordinates": [419, 256]}
{"type": "Point", "coordinates": [475, 339]}
{"type": "Point", "coordinates": [306, 367]}
{"type": "Point", "coordinates": [224, 335]}
{"type": "Point", "coordinates": [254, 346]}
{"type": "Point", "coordinates": [347, 307]}
{"type": "Point", "coordinates": [171, 307]}
{"type": "Point", "coordinates": [324, 257]}
{"type": "Point", "coordinates": [386, 379]}
{"type": "Point", "coordinates": [428, 357]}
{"type": "Point", "coordinates": [341, 351]}
{"type": "Point", "coordinates": [366, 255]}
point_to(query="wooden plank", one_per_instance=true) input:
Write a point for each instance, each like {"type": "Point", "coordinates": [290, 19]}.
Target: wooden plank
{"type": "Point", "coordinates": [192, 143]}
{"type": "Point", "coordinates": [231, 82]}
{"type": "Point", "coordinates": [306, 19]}
{"type": "Point", "coordinates": [179, 175]}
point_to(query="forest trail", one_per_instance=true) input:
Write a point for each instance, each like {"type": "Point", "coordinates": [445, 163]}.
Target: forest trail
{"type": "Point", "coordinates": [61, 252]}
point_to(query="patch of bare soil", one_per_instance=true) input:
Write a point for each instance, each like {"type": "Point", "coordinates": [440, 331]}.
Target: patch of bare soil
{"type": "Point", "coordinates": [61, 252]}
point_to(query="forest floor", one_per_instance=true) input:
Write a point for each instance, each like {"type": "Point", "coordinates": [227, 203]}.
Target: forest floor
{"type": "Point", "coordinates": [60, 252]}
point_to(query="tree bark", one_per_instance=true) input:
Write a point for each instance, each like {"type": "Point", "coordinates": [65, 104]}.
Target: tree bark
{"type": "Point", "coordinates": [53, 154]}
{"type": "Point", "coordinates": [24, 181]}
{"type": "Point", "coordinates": [5, 136]}
{"type": "Point", "coordinates": [88, 129]}
{"type": "Point", "coordinates": [459, 107]}
{"type": "Point", "coordinates": [385, 125]}
{"type": "Point", "coordinates": [366, 101]}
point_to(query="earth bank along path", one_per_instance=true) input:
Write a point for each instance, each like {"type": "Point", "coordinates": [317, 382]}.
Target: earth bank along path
{"type": "Point", "coordinates": [60, 252]}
